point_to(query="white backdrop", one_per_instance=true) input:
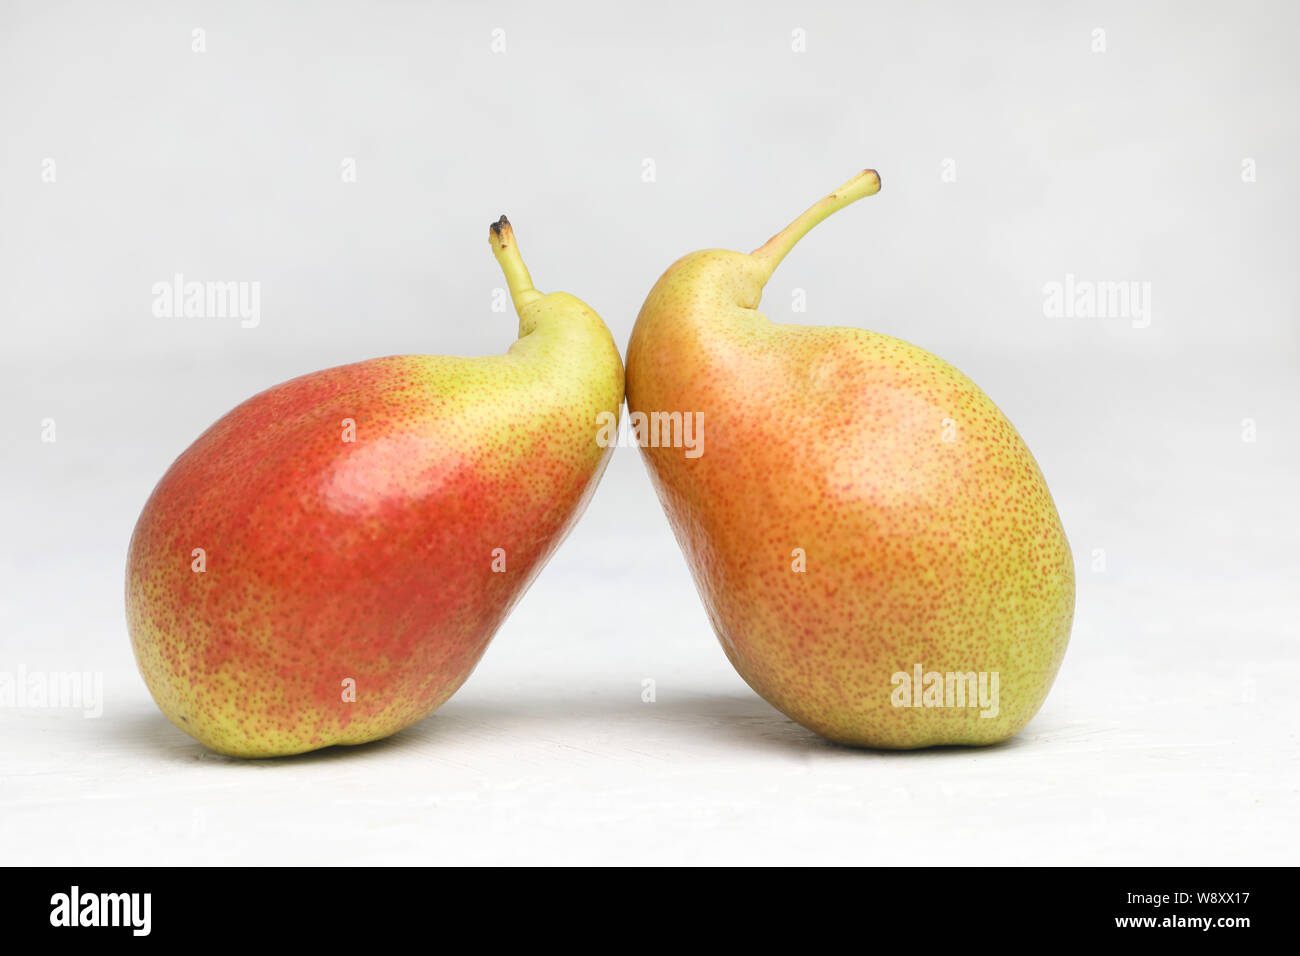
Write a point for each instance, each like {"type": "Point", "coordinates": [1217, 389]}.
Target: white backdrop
{"type": "Point", "coordinates": [348, 157]}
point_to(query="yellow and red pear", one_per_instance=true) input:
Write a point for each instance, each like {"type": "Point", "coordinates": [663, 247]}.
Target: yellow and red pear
{"type": "Point", "coordinates": [327, 563]}
{"type": "Point", "coordinates": [860, 518]}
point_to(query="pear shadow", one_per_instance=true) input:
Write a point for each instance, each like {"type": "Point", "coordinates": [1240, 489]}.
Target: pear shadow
{"type": "Point", "coordinates": [154, 733]}
{"type": "Point", "coordinates": [751, 721]}
{"type": "Point", "coordinates": [936, 751]}
{"type": "Point", "coordinates": [735, 719]}
{"type": "Point", "coordinates": [676, 722]}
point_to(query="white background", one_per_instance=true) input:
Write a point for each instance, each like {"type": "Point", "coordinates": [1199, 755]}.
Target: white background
{"type": "Point", "coordinates": [1170, 736]}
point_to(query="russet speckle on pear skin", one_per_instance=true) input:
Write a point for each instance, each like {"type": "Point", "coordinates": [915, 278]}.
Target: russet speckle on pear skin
{"type": "Point", "coordinates": [926, 530]}
{"type": "Point", "coordinates": [388, 560]}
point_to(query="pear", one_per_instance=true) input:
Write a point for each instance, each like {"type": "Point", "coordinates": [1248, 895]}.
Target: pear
{"type": "Point", "coordinates": [327, 563]}
{"type": "Point", "coordinates": [873, 542]}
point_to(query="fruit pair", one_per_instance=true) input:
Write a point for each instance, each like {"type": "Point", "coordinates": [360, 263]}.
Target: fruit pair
{"type": "Point", "coordinates": [874, 543]}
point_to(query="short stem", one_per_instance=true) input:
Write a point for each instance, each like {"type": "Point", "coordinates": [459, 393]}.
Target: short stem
{"type": "Point", "coordinates": [865, 183]}
{"type": "Point", "coordinates": [520, 282]}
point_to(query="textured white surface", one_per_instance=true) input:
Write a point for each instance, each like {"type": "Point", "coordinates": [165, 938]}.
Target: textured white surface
{"type": "Point", "coordinates": [1170, 736]}
{"type": "Point", "coordinates": [1137, 763]}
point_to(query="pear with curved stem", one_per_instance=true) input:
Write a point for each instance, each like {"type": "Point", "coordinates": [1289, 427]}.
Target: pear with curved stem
{"type": "Point", "coordinates": [327, 563]}
{"type": "Point", "coordinates": [874, 544]}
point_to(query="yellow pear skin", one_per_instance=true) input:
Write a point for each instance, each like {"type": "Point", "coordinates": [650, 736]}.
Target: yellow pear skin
{"type": "Point", "coordinates": [873, 541]}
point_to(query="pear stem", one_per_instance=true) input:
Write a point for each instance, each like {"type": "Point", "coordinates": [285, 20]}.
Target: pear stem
{"type": "Point", "coordinates": [502, 238]}
{"type": "Point", "coordinates": [770, 254]}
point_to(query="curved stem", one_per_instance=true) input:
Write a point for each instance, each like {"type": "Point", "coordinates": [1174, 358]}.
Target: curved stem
{"type": "Point", "coordinates": [502, 238]}
{"type": "Point", "coordinates": [865, 183]}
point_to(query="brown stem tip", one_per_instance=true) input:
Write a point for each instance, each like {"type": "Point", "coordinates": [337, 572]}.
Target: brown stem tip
{"type": "Point", "coordinates": [501, 231]}
{"type": "Point", "coordinates": [504, 247]}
